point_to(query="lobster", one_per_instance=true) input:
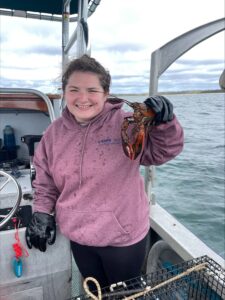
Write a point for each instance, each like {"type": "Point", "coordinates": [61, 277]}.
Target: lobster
{"type": "Point", "coordinates": [142, 118]}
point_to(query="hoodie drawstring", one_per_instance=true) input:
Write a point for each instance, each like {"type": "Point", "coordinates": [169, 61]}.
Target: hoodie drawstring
{"type": "Point", "coordinates": [82, 154]}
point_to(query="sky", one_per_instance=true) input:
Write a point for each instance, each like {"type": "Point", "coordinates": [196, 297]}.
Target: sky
{"type": "Point", "coordinates": [123, 34]}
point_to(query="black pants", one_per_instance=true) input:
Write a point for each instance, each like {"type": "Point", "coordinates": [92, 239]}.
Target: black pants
{"type": "Point", "coordinates": [110, 264]}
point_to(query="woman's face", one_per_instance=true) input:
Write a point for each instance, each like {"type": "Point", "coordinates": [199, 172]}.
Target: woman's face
{"type": "Point", "coordinates": [84, 96]}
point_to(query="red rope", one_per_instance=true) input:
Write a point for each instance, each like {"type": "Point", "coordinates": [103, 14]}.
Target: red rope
{"type": "Point", "coordinates": [18, 248]}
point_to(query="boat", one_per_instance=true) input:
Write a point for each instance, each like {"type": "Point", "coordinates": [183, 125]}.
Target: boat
{"type": "Point", "coordinates": [46, 276]}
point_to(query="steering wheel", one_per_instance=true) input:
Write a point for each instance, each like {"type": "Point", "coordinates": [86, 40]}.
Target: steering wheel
{"type": "Point", "coordinates": [5, 178]}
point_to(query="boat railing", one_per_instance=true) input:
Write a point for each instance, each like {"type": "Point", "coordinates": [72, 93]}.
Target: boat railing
{"type": "Point", "coordinates": [183, 242]}
{"type": "Point", "coordinates": [186, 244]}
{"type": "Point", "coordinates": [22, 98]}
{"type": "Point", "coordinates": [165, 56]}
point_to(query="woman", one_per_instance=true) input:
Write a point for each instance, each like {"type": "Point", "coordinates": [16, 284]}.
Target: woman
{"type": "Point", "coordinates": [85, 180]}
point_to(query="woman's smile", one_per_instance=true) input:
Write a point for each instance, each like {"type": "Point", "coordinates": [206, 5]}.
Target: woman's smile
{"type": "Point", "coordinates": [84, 95]}
{"type": "Point", "coordinates": [83, 106]}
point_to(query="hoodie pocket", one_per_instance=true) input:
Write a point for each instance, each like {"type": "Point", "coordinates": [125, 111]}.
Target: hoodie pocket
{"type": "Point", "coordinates": [98, 228]}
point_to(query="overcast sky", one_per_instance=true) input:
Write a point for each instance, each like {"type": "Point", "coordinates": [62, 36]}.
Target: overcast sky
{"type": "Point", "coordinates": [123, 35]}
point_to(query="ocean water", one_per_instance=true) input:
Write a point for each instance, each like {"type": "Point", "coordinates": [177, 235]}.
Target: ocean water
{"type": "Point", "coordinates": [191, 186]}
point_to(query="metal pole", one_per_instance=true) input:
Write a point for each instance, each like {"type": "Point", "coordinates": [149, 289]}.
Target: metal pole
{"type": "Point", "coordinates": [83, 13]}
{"type": "Point", "coordinates": [65, 31]}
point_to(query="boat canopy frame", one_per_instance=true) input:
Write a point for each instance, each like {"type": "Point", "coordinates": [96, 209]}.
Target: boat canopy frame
{"type": "Point", "coordinates": [42, 9]}
{"type": "Point", "coordinates": [75, 12]}
{"type": "Point", "coordinates": [64, 11]}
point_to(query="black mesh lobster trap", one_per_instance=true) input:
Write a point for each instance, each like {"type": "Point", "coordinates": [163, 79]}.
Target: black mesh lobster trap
{"type": "Point", "coordinates": [200, 278]}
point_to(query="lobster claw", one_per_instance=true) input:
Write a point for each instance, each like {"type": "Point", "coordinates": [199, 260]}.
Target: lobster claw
{"type": "Point", "coordinates": [132, 150]}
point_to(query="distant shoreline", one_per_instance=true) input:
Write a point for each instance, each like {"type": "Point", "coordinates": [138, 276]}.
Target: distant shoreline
{"type": "Point", "coordinates": [177, 92]}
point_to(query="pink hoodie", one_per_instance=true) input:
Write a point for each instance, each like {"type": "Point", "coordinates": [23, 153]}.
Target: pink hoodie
{"type": "Point", "coordinates": [95, 190]}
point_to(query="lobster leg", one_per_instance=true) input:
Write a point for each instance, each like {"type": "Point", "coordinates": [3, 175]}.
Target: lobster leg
{"type": "Point", "coordinates": [138, 144]}
{"type": "Point", "coordinates": [127, 148]}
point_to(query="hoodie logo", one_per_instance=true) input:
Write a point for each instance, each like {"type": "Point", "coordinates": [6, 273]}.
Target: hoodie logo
{"type": "Point", "coordinates": [109, 141]}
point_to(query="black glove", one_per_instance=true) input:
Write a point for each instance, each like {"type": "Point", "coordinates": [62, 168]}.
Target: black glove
{"type": "Point", "coordinates": [41, 229]}
{"type": "Point", "coordinates": [162, 107]}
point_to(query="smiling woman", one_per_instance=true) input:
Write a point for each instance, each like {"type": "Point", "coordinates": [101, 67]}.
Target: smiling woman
{"type": "Point", "coordinates": [84, 96]}
{"type": "Point", "coordinates": [85, 88]}
{"type": "Point", "coordinates": [77, 161]}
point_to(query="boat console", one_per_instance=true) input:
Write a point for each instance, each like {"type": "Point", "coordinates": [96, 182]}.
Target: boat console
{"type": "Point", "coordinates": [26, 273]}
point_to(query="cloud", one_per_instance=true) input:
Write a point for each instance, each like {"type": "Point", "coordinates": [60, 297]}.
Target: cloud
{"type": "Point", "coordinates": [129, 84]}
{"type": "Point", "coordinates": [45, 30]}
{"type": "Point", "coordinates": [46, 86]}
{"type": "Point", "coordinates": [123, 36]}
{"type": "Point", "coordinates": [120, 47]}
{"type": "Point", "coordinates": [50, 50]}
{"type": "Point", "coordinates": [182, 75]}
{"type": "Point", "coordinates": [192, 74]}
{"type": "Point", "coordinates": [200, 62]}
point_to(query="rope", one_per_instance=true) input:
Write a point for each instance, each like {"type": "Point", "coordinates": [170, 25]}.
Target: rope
{"type": "Point", "coordinates": [18, 248]}
{"type": "Point", "coordinates": [89, 293]}
{"type": "Point", "coordinates": [146, 290]}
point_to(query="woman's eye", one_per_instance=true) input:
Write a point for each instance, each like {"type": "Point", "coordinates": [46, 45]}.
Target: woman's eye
{"type": "Point", "coordinates": [93, 92]}
{"type": "Point", "coordinates": [90, 92]}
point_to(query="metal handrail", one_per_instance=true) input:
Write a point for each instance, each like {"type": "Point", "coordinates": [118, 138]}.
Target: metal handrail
{"type": "Point", "coordinates": [35, 92]}
{"type": "Point", "coordinates": [164, 56]}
